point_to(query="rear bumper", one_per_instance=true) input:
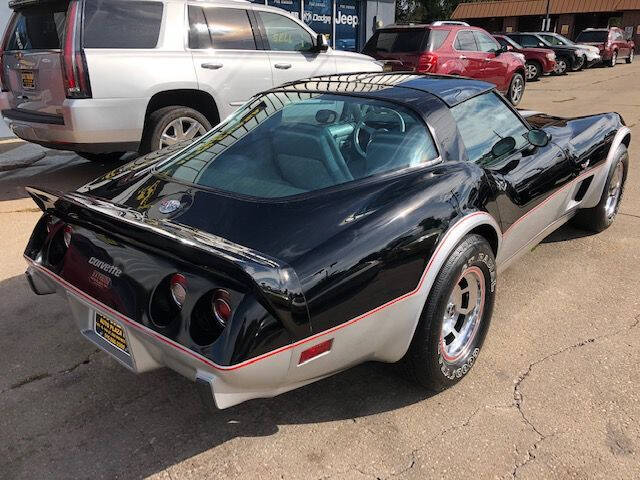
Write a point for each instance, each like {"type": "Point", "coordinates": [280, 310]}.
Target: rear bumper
{"type": "Point", "coordinates": [88, 125]}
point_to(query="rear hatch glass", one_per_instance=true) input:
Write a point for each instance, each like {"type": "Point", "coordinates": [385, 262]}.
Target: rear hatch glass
{"type": "Point", "coordinates": [32, 58]}
{"type": "Point", "coordinates": [404, 45]}
{"type": "Point", "coordinates": [593, 37]}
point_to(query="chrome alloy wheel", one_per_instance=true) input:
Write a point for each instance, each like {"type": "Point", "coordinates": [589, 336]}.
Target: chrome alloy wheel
{"type": "Point", "coordinates": [614, 59]}
{"type": "Point", "coordinates": [531, 71]}
{"type": "Point", "coordinates": [182, 128]}
{"type": "Point", "coordinates": [631, 55]}
{"type": "Point", "coordinates": [517, 88]}
{"type": "Point", "coordinates": [561, 66]}
{"type": "Point", "coordinates": [463, 314]}
{"type": "Point", "coordinates": [615, 189]}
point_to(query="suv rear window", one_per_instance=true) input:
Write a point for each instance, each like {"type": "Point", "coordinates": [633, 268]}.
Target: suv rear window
{"type": "Point", "coordinates": [289, 143]}
{"type": "Point", "coordinates": [38, 28]}
{"type": "Point", "coordinates": [406, 40]}
{"type": "Point", "coordinates": [593, 36]}
{"type": "Point", "coordinates": [121, 24]}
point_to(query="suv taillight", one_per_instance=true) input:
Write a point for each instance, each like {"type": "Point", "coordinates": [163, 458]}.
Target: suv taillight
{"type": "Point", "coordinates": [427, 62]}
{"type": "Point", "coordinates": [4, 83]}
{"type": "Point", "coordinates": [74, 63]}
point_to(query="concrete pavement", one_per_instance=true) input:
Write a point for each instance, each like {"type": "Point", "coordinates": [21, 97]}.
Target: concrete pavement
{"type": "Point", "coordinates": [555, 393]}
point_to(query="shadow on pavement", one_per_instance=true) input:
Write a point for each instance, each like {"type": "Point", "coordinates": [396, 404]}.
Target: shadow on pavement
{"type": "Point", "coordinates": [71, 411]}
{"type": "Point", "coordinates": [565, 233]}
{"type": "Point", "coordinates": [58, 170]}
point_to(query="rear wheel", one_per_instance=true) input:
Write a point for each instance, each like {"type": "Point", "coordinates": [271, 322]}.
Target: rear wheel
{"type": "Point", "coordinates": [614, 59]}
{"type": "Point", "coordinates": [170, 125]}
{"type": "Point", "coordinates": [455, 319]}
{"type": "Point", "coordinates": [101, 157]}
{"type": "Point", "coordinates": [516, 89]}
{"type": "Point", "coordinates": [602, 215]}
{"type": "Point", "coordinates": [561, 66]}
{"type": "Point", "coordinates": [533, 71]}
{"type": "Point", "coordinates": [630, 58]}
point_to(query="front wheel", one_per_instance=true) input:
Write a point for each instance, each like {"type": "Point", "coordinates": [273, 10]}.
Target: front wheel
{"type": "Point", "coordinates": [630, 58]}
{"type": "Point", "coordinates": [602, 215]}
{"type": "Point", "coordinates": [579, 64]}
{"type": "Point", "coordinates": [614, 59]}
{"type": "Point", "coordinates": [516, 89]}
{"type": "Point", "coordinates": [533, 70]}
{"type": "Point", "coordinates": [456, 317]}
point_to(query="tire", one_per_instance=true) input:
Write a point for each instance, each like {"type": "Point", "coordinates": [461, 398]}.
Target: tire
{"type": "Point", "coordinates": [631, 55]}
{"type": "Point", "coordinates": [533, 71]}
{"type": "Point", "coordinates": [580, 65]}
{"type": "Point", "coordinates": [614, 59]}
{"type": "Point", "coordinates": [436, 359]}
{"type": "Point", "coordinates": [171, 122]}
{"type": "Point", "coordinates": [101, 157]}
{"type": "Point", "coordinates": [561, 66]}
{"type": "Point", "coordinates": [516, 89]}
{"type": "Point", "coordinates": [602, 215]}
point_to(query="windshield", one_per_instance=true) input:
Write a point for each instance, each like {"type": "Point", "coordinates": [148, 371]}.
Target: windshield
{"type": "Point", "coordinates": [289, 143]}
{"type": "Point", "coordinates": [593, 36]}
{"type": "Point", "coordinates": [557, 40]}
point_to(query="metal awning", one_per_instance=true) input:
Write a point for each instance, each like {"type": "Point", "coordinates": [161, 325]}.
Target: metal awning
{"type": "Point", "coordinates": [517, 8]}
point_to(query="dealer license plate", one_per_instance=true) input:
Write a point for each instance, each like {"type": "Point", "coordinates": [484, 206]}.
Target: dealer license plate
{"type": "Point", "coordinates": [28, 80]}
{"type": "Point", "coordinates": [111, 331]}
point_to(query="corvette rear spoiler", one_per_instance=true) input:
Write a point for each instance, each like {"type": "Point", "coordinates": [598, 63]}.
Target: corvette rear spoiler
{"type": "Point", "coordinates": [277, 282]}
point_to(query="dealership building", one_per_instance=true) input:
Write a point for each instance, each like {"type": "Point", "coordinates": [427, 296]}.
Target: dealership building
{"type": "Point", "coordinates": [347, 24]}
{"type": "Point", "coordinates": [567, 17]}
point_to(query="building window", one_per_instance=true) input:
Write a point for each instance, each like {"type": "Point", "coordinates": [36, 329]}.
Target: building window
{"type": "Point", "coordinates": [291, 6]}
{"type": "Point", "coordinates": [347, 25]}
{"type": "Point", "coordinates": [317, 14]}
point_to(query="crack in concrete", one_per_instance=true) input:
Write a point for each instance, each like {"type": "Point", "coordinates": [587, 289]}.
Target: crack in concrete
{"type": "Point", "coordinates": [518, 396]}
{"type": "Point", "coordinates": [42, 376]}
{"type": "Point", "coordinates": [628, 215]}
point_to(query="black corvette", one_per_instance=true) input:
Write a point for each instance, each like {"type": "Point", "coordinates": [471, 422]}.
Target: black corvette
{"type": "Point", "coordinates": [328, 222]}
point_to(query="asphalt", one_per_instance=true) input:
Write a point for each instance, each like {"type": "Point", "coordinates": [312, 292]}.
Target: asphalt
{"type": "Point", "coordinates": [555, 393]}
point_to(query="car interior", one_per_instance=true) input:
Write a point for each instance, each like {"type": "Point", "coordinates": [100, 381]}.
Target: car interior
{"type": "Point", "coordinates": [311, 145]}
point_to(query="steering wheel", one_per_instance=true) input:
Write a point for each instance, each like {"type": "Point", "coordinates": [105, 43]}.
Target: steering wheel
{"type": "Point", "coordinates": [376, 114]}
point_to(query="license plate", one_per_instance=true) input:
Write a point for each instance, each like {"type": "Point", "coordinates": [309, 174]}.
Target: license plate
{"type": "Point", "coordinates": [111, 331]}
{"type": "Point", "coordinates": [28, 80]}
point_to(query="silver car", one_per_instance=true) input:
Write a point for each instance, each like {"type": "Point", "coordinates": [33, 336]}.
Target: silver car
{"type": "Point", "coordinates": [101, 78]}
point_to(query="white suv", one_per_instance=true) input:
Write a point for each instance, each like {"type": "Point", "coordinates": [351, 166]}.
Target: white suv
{"type": "Point", "coordinates": [103, 77]}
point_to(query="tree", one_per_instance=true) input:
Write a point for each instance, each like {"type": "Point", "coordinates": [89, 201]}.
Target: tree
{"type": "Point", "coordinates": [425, 11]}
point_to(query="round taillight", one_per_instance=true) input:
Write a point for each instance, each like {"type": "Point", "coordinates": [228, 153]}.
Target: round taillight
{"type": "Point", "coordinates": [221, 308]}
{"type": "Point", "coordinates": [178, 288]}
{"type": "Point", "coordinates": [66, 235]}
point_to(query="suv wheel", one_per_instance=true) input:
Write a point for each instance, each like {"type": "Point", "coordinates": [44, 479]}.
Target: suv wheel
{"type": "Point", "coordinates": [561, 66]}
{"type": "Point", "coordinates": [170, 125]}
{"type": "Point", "coordinates": [516, 89]}
{"type": "Point", "coordinates": [533, 71]}
{"type": "Point", "coordinates": [614, 59]}
{"type": "Point", "coordinates": [631, 55]}
{"type": "Point", "coordinates": [580, 64]}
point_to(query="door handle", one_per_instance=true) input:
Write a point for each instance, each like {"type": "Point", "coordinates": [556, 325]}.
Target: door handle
{"type": "Point", "coordinates": [462, 57]}
{"type": "Point", "coordinates": [211, 66]}
{"type": "Point", "coordinates": [283, 66]}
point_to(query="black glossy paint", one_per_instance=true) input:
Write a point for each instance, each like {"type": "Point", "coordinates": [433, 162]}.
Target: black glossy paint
{"type": "Point", "coordinates": [300, 265]}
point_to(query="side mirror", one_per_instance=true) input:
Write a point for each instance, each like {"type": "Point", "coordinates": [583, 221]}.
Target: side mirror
{"type": "Point", "coordinates": [322, 45]}
{"type": "Point", "coordinates": [508, 48]}
{"type": "Point", "coordinates": [538, 138]}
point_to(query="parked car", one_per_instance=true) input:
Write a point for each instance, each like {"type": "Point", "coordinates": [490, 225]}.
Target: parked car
{"type": "Point", "coordinates": [611, 42]}
{"type": "Point", "coordinates": [567, 58]}
{"type": "Point", "coordinates": [451, 50]}
{"type": "Point", "coordinates": [538, 61]}
{"type": "Point", "coordinates": [591, 54]}
{"type": "Point", "coordinates": [422, 187]}
{"type": "Point", "coordinates": [101, 77]}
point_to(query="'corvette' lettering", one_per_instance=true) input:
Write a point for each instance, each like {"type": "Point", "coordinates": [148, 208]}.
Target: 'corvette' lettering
{"type": "Point", "coordinates": [105, 267]}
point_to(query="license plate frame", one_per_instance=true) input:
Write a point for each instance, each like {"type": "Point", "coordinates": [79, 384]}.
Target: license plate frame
{"type": "Point", "coordinates": [28, 79]}
{"type": "Point", "coordinates": [111, 332]}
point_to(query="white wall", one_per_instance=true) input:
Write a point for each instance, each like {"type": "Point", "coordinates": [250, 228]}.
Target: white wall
{"type": "Point", "coordinates": [5, 12]}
